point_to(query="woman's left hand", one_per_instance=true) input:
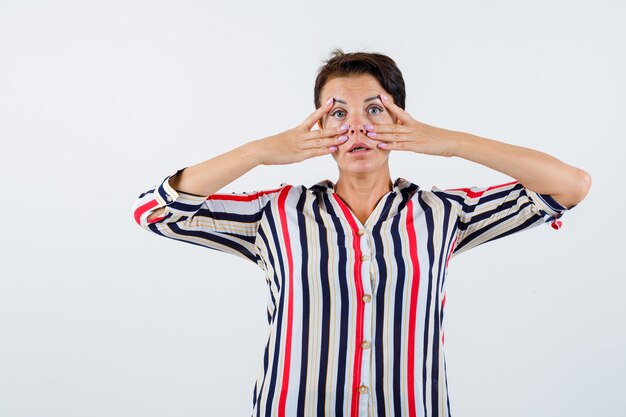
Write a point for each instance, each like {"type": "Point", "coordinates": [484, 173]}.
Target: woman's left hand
{"type": "Point", "coordinates": [410, 135]}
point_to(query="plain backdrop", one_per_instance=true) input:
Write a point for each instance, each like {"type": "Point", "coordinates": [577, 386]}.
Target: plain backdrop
{"type": "Point", "coordinates": [99, 101]}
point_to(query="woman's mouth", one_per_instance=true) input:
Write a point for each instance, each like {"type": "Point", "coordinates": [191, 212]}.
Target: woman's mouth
{"type": "Point", "coordinates": [359, 147]}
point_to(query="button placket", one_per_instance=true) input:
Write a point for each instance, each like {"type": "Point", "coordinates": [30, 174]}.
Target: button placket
{"type": "Point", "coordinates": [366, 342]}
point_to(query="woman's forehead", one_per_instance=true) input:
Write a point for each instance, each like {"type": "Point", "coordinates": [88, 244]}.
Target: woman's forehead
{"type": "Point", "coordinates": [355, 87]}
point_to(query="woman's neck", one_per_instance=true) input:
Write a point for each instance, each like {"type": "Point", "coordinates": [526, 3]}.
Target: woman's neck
{"type": "Point", "coordinates": [362, 193]}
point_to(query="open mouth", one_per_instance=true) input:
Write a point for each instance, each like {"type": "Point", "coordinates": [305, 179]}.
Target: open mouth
{"type": "Point", "coordinates": [359, 147]}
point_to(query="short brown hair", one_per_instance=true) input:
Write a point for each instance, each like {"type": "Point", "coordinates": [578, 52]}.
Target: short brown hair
{"type": "Point", "coordinates": [383, 68]}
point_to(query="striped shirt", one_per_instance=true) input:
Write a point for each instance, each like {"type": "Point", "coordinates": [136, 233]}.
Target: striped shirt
{"type": "Point", "coordinates": [355, 311]}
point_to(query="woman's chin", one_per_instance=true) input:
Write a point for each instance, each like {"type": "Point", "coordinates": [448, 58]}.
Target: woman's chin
{"type": "Point", "coordinates": [358, 167]}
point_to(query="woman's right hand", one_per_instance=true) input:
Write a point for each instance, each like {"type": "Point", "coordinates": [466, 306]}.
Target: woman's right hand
{"type": "Point", "coordinates": [300, 143]}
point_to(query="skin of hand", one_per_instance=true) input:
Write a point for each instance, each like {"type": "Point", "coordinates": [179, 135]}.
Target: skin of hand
{"type": "Point", "coordinates": [300, 143]}
{"type": "Point", "coordinates": [409, 134]}
{"type": "Point", "coordinates": [536, 170]}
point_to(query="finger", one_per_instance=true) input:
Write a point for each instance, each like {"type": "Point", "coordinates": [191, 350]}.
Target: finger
{"type": "Point", "coordinates": [317, 114]}
{"type": "Point", "coordinates": [388, 128]}
{"type": "Point", "coordinates": [324, 143]}
{"type": "Point", "coordinates": [399, 112]}
{"type": "Point", "coordinates": [313, 152]}
{"type": "Point", "coordinates": [394, 146]}
{"type": "Point", "coordinates": [328, 132]}
{"type": "Point", "coordinates": [397, 136]}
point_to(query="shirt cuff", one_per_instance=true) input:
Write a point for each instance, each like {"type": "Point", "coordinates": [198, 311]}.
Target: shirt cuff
{"type": "Point", "coordinates": [177, 202]}
{"type": "Point", "coordinates": [549, 205]}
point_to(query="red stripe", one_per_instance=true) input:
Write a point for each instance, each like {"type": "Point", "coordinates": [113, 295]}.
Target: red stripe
{"type": "Point", "coordinates": [450, 253]}
{"type": "Point", "coordinates": [415, 282]}
{"type": "Point", "coordinates": [287, 360]}
{"type": "Point", "coordinates": [139, 211]}
{"type": "Point", "coordinates": [473, 194]}
{"type": "Point", "coordinates": [358, 351]}
{"type": "Point", "coordinates": [247, 197]}
{"type": "Point", "coordinates": [156, 219]}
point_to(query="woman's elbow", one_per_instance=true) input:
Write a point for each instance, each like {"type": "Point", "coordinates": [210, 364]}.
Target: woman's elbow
{"type": "Point", "coordinates": [580, 185]}
{"type": "Point", "coordinates": [584, 184]}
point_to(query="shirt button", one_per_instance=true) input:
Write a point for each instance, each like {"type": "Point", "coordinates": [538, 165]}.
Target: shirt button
{"type": "Point", "coordinates": [365, 344]}
{"type": "Point", "coordinates": [366, 298]}
{"type": "Point", "coordinates": [361, 232]}
{"type": "Point", "coordinates": [364, 257]}
{"type": "Point", "coordinates": [363, 389]}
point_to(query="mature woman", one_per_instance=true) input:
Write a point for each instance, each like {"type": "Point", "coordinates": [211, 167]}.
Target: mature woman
{"type": "Point", "coordinates": [356, 269]}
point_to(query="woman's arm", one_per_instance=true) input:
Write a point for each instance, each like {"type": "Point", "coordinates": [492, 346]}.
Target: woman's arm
{"type": "Point", "coordinates": [535, 170]}
{"type": "Point", "coordinates": [294, 145]}
{"type": "Point", "coordinates": [207, 177]}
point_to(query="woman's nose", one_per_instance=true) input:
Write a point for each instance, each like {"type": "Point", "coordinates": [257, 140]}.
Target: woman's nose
{"type": "Point", "coordinates": [354, 127]}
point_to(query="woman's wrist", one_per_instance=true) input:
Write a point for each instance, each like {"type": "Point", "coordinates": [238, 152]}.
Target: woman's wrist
{"type": "Point", "coordinates": [454, 141]}
{"type": "Point", "coordinates": [459, 141]}
{"type": "Point", "coordinates": [251, 152]}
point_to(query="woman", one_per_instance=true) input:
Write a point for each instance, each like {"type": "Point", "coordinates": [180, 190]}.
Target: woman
{"type": "Point", "coordinates": [356, 269]}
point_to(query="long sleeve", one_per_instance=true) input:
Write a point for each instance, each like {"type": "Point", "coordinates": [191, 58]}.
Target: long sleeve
{"type": "Point", "coordinates": [490, 213]}
{"type": "Point", "coordinates": [221, 221]}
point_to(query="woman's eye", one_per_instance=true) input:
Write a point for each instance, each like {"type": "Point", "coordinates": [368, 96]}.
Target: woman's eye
{"type": "Point", "coordinates": [338, 114]}
{"type": "Point", "coordinates": [374, 110]}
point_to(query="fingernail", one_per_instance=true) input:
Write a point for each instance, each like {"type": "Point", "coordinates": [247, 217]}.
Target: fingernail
{"type": "Point", "coordinates": [342, 138]}
{"type": "Point", "coordinates": [382, 145]}
{"type": "Point", "coordinates": [330, 100]}
{"type": "Point", "coordinates": [384, 97]}
{"type": "Point", "coordinates": [371, 134]}
{"type": "Point", "coordinates": [344, 127]}
{"type": "Point", "coordinates": [368, 127]}
{"type": "Point", "coordinates": [333, 148]}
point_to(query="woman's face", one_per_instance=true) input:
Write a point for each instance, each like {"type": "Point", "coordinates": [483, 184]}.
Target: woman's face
{"type": "Point", "coordinates": [357, 103]}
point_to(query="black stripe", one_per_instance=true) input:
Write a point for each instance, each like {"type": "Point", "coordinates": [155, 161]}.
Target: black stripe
{"type": "Point", "coordinates": [446, 213]}
{"type": "Point", "coordinates": [344, 329]}
{"type": "Point", "coordinates": [442, 252]}
{"type": "Point", "coordinates": [271, 262]}
{"type": "Point", "coordinates": [234, 217]}
{"type": "Point", "coordinates": [304, 252]}
{"type": "Point", "coordinates": [257, 394]}
{"type": "Point", "coordinates": [501, 194]}
{"type": "Point", "coordinates": [379, 301]}
{"type": "Point", "coordinates": [428, 217]}
{"type": "Point", "coordinates": [211, 237]}
{"type": "Point", "coordinates": [326, 303]}
{"type": "Point", "coordinates": [499, 209]}
{"type": "Point", "coordinates": [270, 318]}
{"type": "Point", "coordinates": [553, 204]}
{"type": "Point", "coordinates": [189, 208]}
{"type": "Point", "coordinates": [397, 324]}
{"type": "Point", "coordinates": [477, 233]}
{"type": "Point", "coordinates": [445, 369]}
{"type": "Point", "coordinates": [281, 304]}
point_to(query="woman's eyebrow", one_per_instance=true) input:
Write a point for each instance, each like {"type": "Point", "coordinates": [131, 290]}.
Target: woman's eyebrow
{"type": "Point", "coordinates": [364, 101]}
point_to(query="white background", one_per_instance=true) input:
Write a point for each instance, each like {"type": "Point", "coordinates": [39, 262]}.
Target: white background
{"type": "Point", "coordinates": [99, 101]}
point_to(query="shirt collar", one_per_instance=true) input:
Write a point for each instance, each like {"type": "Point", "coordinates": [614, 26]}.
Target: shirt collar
{"type": "Point", "coordinates": [399, 185]}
